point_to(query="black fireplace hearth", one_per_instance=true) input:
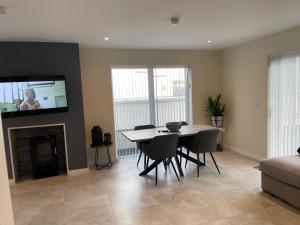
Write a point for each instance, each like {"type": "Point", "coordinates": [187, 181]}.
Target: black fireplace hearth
{"type": "Point", "coordinates": [44, 156]}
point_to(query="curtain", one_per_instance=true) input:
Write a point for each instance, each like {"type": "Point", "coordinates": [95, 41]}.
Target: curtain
{"type": "Point", "coordinates": [284, 104]}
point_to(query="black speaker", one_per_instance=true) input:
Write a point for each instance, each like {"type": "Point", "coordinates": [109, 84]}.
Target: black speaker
{"type": "Point", "coordinates": [107, 139]}
{"type": "Point", "coordinates": [298, 150]}
{"type": "Point", "coordinates": [97, 136]}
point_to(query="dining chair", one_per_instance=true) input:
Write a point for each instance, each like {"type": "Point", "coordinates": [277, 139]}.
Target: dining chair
{"type": "Point", "coordinates": [139, 144]}
{"type": "Point", "coordinates": [204, 142]}
{"type": "Point", "coordinates": [182, 141]}
{"type": "Point", "coordinates": [161, 148]}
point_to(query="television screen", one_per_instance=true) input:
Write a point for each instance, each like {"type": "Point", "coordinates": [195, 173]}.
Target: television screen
{"type": "Point", "coordinates": [31, 95]}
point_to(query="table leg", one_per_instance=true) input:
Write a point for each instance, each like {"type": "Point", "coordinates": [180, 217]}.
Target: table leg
{"type": "Point", "coordinates": [190, 158]}
{"type": "Point", "coordinates": [151, 167]}
{"type": "Point", "coordinates": [179, 166]}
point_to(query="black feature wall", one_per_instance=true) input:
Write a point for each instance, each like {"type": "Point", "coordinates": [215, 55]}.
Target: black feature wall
{"type": "Point", "coordinates": [27, 58]}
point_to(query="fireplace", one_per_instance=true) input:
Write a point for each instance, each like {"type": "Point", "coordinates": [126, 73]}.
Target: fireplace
{"type": "Point", "coordinates": [44, 156]}
{"type": "Point", "coordinates": [38, 151]}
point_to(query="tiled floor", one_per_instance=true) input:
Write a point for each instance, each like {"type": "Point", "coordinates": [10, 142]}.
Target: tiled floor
{"type": "Point", "coordinates": [120, 196]}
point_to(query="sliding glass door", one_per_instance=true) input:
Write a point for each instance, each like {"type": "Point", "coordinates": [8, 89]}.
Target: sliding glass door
{"type": "Point", "coordinates": [171, 96]}
{"type": "Point", "coordinates": [284, 104]}
{"type": "Point", "coordinates": [131, 105]}
{"type": "Point", "coordinates": [149, 95]}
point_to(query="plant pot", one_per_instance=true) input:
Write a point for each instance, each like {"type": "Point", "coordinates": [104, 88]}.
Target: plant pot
{"type": "Point", "coordinates": [217, 121]}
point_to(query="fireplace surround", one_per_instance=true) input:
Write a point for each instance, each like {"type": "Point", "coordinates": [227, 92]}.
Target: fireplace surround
{"type": "Point", "coordinates": [24, 141]}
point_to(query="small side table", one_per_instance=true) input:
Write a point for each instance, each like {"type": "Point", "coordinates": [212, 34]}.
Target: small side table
{"type": "Point", "coordinates": [98, 165]}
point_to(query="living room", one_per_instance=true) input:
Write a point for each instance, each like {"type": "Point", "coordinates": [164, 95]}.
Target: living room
{"type": "Point", "coordinates": [75, 73]}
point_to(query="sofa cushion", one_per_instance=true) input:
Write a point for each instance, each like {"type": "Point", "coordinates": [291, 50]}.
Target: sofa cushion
{"type": "Point", "coordinates": [286, 169]}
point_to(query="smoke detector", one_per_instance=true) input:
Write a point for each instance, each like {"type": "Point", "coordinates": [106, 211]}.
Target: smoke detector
{"type": "Point", "coordinates": [3, 10]}
{"type": "Point", "coordinates": [174, 20]}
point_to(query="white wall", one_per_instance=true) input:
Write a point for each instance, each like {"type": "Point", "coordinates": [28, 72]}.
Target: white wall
{"type": "Point", "coordinates": [6, 214]}
{"type": "Point", "coordinates": [245, 90]}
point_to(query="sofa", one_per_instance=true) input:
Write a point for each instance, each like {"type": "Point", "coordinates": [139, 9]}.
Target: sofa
{"type": "Point", "coordinates": [281, 177]}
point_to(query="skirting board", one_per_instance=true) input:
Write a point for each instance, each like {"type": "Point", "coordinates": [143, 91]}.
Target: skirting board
{"type": "Point", "coordinates": [245, 153]}
{"type": "Point", "coordinates": [71, 172]}
{"type": "Point", "coordinates": [12, 181]}
{"type": "Point", "coordinates": [78, 171]}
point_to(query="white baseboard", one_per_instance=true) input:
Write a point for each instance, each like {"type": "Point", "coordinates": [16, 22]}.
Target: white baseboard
{"type": "Point", "coordinates": [12, 181]}
{"type": "Point", "coordinates": [78, 171]}
{"type": "Point", "coordinates": [245, 153]}
{"type": "Point", "coordinates": [71, 172]}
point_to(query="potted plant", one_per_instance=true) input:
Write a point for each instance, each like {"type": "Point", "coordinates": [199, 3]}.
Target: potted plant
{"type": "Point", "coordinates": [216, 110]}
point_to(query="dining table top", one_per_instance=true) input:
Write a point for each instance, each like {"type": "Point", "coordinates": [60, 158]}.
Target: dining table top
{"type": "Point", "coordinates": [149, 134]}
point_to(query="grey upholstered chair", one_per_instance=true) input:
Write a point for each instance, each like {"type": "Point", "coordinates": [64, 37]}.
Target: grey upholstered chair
{"type": "Point", "coordinates": [182, 141]}
{"type": "Point", "coordinates": [184, 123]}
{"type": "Point", "coordinates": [161, 148]}
{"type": "Point", "coordinates": [139, 144]}
{"type": "Point", "coordinates": [203, 142]}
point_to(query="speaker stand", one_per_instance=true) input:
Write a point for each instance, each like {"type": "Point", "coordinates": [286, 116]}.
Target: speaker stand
{"type": "Point", "coordinates": [98, 165]}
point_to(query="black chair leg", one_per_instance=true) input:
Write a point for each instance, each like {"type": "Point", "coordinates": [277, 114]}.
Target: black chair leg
{"type": "Point", "coordinates": [168, 161]}
{"type": "Point", "coordinates": [174, 169]}
{"type": "Point", "coordinates": [165, 164]}
{"type": "Point", "coordinates": [139, 158]}
{"type": "Point", "coordinates": [180, 156]}
{"type": "Point", "coordinates": [214, 162]}
{"type": "Point", "coordinates": [156, 173]}
{"type": "Point", "coordinates": [147, 162]}
{"type": "Point", "coordinates": [204, 158]}
{"type": "Point", "coordinates": [198, 166]}
{"type": "Point", "coordinates": [188, 153]}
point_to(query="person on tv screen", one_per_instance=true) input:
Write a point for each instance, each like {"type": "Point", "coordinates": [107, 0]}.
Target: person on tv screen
{"type": "Point", "coordinates": [30, 103]}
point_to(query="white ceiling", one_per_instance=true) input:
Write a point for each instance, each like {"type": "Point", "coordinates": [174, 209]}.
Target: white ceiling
{"type": "Point", "coordinates": [145, 23]}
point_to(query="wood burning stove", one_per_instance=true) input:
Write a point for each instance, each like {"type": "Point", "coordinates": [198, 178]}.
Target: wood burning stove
{"type": "Point", "coordinates": [44, 156]}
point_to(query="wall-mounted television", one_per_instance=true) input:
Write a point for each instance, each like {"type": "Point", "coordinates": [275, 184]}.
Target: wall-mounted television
{"type": "Point", "coordinates": [32, 95]}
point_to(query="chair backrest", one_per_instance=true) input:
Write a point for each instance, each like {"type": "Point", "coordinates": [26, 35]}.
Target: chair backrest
{"type": "Point", "coordinates": [184, 123]}
{"type": "Point", "coordinates": [205, 141]}
{"type": "Point", "coordinates": [161, 147]}
{"type": "Point", "coordinates": [144, 127]}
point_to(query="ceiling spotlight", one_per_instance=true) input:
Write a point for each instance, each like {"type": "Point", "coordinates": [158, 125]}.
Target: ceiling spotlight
{"type": "Point", "coordinates": [106, 38]}
{"type": "Point", "coordinates": [3, 10]}
{"type": "Point", "coordinates": [209, 41]}
{"type": "Point", "coordinates": [174, 20]}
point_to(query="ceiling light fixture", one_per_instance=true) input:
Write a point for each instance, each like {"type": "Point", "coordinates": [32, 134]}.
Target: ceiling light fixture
{"type": "Point", "coordinates": [174, 20]}
{"type": "Point", "coordinates": [209, 41]}
{"type": "Point", "coordinates": [3, 10]}
{"type": "Point", "coordinates": [106, 38]}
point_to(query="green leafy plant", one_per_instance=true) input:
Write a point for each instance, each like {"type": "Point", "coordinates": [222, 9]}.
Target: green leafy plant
{"type": "Point", "coordinates": [215, 107]}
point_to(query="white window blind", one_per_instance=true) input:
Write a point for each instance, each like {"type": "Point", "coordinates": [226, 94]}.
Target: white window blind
{"type": "Point", "coordinates": [284, 104]}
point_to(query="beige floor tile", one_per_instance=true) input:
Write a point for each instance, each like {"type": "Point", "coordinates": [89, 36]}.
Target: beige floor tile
{"type": "Point", "coordinates": [152, 215]}
{"type": "Point", "coordinates": [120, 196]}
{"type": "Point", "coordinates": [218, 222]}
{"type": "Point", "coordinates": [131, 200]}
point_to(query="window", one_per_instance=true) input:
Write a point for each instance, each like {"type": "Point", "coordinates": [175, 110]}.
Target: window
{"type": "Point", "coordinates": [284, 104]}
{"type": "Point", "coordinates": [149, 95]}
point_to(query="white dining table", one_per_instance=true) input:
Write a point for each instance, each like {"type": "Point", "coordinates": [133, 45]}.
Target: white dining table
{"type": "Point", "coordinates": [149, 134]}
{"type": "Point", "coordinates": [185, 131]}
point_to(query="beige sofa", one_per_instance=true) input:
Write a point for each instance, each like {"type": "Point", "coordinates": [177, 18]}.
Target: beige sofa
{"type": "Point", "coordinates": [281, 178]}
